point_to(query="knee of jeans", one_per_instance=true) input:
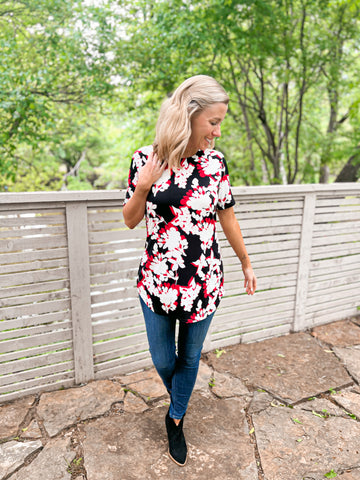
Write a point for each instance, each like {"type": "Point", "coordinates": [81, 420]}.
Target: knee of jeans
{"type": "Point", "coordinates": [162, 362]}
{"type": "Point", "coordinates": [191, 359]}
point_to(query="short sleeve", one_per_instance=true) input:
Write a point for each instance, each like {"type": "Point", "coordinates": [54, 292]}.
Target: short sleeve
{"type": "Point", "coordinates": [137, 161]}
{"type": "Point", "coordinates": [225, 196]}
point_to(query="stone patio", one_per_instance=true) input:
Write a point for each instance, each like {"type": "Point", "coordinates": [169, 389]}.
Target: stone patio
{"type": "Point", "coordinates": [282, 409]}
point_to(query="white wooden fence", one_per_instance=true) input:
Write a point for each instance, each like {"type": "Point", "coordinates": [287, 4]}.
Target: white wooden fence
{"type": "Point", "coordinates": [69, 311]}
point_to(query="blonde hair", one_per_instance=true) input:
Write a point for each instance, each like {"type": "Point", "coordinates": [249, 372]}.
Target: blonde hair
{"type": "Point", "coordinates": [173, 128]}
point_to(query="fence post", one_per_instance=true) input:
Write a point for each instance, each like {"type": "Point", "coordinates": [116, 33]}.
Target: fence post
{"type": "Point", "coordinates": [79, 273]}
{"type": "Point", "coordinates": [304, 262]}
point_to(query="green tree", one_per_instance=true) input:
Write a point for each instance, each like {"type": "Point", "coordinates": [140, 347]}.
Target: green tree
{"type": "Point", "coordinates": [56, 59]}
{"type": "Point", "coordinates": [283, 63]}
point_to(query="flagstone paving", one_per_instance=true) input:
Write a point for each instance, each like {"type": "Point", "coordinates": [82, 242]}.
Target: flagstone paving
{"type": "Point", "coordinates": [287, 408]}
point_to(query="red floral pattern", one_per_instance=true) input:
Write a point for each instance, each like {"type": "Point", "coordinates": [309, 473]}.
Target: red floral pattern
{"type": "Point", "coordinates": [181, 271]}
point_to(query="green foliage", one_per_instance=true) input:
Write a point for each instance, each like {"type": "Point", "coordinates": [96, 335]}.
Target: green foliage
{"type": "Point", "coordinates": [53, 62]}
{"type": "Point", "coordinates": [331, 474]}
{"type": "Point", "coordinates": [81, 84]}
{"type": "Point", "coordinates": [283, 65]}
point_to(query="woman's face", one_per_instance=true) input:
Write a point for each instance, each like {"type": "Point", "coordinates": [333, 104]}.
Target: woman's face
{"type": "Point", "coordinates": [205, 127]}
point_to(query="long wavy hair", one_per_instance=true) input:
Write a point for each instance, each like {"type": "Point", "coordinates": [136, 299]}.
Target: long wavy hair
{"type": "Point", "coordinates": [173, 128]}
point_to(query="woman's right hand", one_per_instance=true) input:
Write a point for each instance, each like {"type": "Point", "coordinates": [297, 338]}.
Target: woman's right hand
{"type": "Point", "coordinates": [150, 172]}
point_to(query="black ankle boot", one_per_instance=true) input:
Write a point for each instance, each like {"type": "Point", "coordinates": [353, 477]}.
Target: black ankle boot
{"type": "Point", "coordinates": [177, 444]}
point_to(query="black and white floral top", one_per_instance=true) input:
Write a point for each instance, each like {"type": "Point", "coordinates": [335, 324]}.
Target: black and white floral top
{"type": "Point", "coordinates": [181, 272]}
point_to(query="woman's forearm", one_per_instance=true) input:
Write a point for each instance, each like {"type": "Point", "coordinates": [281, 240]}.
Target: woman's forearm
{"type": "Point", "coordinates": [232, 231]}
{"type": "Point", "coordinates": [134, 210]}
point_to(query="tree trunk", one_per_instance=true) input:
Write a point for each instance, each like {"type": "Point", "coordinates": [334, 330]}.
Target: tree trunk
{"type": "Point", "coordinates": [351, 170]}
{"type": "Point", "coordinates": [324, 174]}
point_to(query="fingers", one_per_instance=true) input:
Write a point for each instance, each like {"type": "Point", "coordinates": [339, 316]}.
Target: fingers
{"type": "Point", "coordinates": [250, 285]}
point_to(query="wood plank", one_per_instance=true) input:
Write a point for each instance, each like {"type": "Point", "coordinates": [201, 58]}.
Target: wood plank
{"type": "Point", "coordinates": [330, 251]}
{"type": "Point", "coordinates": [107, 221]}
{"type": "Point", "coordinates": [260, 272]}
{"type": "Point", "coordinates": [337, 202]}
{"type": "Point", "coordinates": [339, 279]}
{"type": "Point", "coordinates": [104, 287]}
{"type": "Point", "coordinates": [267, 295]}
{"type": "Point", "coordinates": [270, 222]}
{"type": "Point", "coordinates": [34, 309]}
{"type": "Point", "coordinates": [123, 247]}
{"type": "Point", "coordinates": [20, 377]}
{"type": "Point", "coordinates": [340, 313]}
{"type": "Point", "coordinates": [304, 263]}
{"type": "Point", "coordinates": [266, 232]}
{"type": "Point", "coordinates": [119, 315]}
{"type": "Point", "coordinates": [99, 280]}
{"type": "Point", "coordinates": [113, 330]}
{"type": "Point", "coordinates": [265, 334]}
{"type": "Point", "coordinates": [264, 283]}
{"type": "Point", "coordinates": [26, 332]}
{"type": "Point", "coordinates": [108, 236]}
{"type": "Point", "coordinates": [38, 297]}
{"type": "Point", "coordinates": [266, 247]}
{"type": "Point", "coordinates": [126, 344]}
{"type": "Point", "coordinates": [54, 253]}
{"type": "Point", "coordinates": [32, 217]}
{"type": "Point", "coordinates": [38, 382]}
{"type": "Point", "coordinates": [121, 370]}
{"type": "Point", "coordinates": [320, 267]}
{"type": "Point", "coordinates": [341, 227]}
{"type": "Point", "coordinates": [48, 339]}
{"type": "Point", "coordinates": [114, 295]}
{"type": "Point", "coordinates": [36, 320]}
{"type": "Point", "coordinates": [336, 239]}
{"type": "Point", "coordinates": [114, 306]}
{"type": "Point", "coordinates": [15, 279]}
{"type": "Point", "coordinates": [328, 307]}
{"type": "Point", "coordinates": [242, 330]}
{"type": "Point", "coordinates": [31, 266]}
{"type": "Point", "coordinates": [228, 316]}
{"type": "Point", "coordinates": [18, 232]}
{"type": "Point", "coordinates": [35, 243]}
{"type": "Point", "coordinates": [119, 332]}
{"type": "Point", "coordinates": [101, 215]}
{"type": "Point", "coordinates": [267, 214]}
{"type": "Point", "coordinates": [350, 209]}
{"type": "Point", "coordinates": [131, 359]}
{"type": "Point", "coordinates": [122, 265]}
{"type": "Point", "coordinates": [337, 217]}
{"type": "Point", "coordinates": [258, 257]}
{"type": "Point", "coordinates": [242, 303]}
{"type": "Point", "coordinates": [341, 291]}
{"type": "Point", "coordinates": [124, 355]}
{"type": "Point", "coordinates": [256, 206]}
{"type": "Point", "coordinates": [118, 324]}
{"type": "Point", "coordinates": [32, 352]}
{"type": "Point", "coordinates": [77, 227]}
{"type": "Point", "coordinates": [34, 362]}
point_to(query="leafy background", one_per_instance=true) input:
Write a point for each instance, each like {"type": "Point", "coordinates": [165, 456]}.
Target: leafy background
{"type": "Point", "coordinates": [81, 83]}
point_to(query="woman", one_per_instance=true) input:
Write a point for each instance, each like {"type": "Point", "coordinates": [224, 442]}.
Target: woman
{"type": "Point", "coordinates": [180, 184]}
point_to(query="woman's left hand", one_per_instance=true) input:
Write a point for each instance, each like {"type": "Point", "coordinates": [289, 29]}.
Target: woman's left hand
{"type": "Point", "coordinates": [250, 280]}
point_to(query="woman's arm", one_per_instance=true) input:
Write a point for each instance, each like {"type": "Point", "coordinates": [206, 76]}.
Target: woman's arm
{"type": "Point", "coordinates": [234, 236]}
{"type": "Point", "coordinates": [134, 209]}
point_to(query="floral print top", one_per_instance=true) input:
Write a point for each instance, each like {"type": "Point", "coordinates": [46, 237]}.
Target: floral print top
{"type": "Point", "coordinates": [181, 272]}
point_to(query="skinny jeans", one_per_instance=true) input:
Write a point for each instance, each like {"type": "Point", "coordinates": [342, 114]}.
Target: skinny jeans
{"type": "Point", "coordinates": [178, 370]}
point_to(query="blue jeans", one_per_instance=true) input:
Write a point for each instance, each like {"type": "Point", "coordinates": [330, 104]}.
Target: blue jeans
{"type": "Point", "coordinates": [178, 371]}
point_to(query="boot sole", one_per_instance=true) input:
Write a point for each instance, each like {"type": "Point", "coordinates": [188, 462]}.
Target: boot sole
{"type": "Point", "coordinates": [177, 463]}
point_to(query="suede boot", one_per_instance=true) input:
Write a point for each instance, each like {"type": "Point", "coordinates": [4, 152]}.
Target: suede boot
{"type": "Point", "coordinates": [177, 443]}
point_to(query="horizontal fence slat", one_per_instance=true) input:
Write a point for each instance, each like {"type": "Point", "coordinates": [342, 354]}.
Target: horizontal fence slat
{"type": "Point", "coordinates": [35, 362]}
